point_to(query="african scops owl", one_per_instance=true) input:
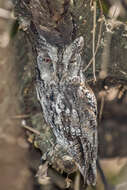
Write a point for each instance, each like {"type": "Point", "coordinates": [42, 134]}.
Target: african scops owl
{"type": "Point", "coordinates": [68, 103]}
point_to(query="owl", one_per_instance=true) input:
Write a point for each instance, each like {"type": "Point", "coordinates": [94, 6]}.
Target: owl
{"type": "Point", "coordinates": [69, 105]}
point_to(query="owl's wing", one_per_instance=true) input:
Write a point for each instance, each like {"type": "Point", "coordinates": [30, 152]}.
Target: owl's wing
{"type": "Point", "coordinates": [79, 121]}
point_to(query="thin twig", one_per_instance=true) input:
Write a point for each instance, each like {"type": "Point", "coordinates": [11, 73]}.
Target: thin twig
{"type": "Point", "coordinates": [99, 38]}
{"type": "Point", "coordinates": [101, 108]}
{"type": "Point", "coordinates": [77, 181]}
{"type": "Point", "coordinates": [101, 8]}
{"type": "Point", "coordinates": [107, 186]}
{"type": "Point", "coordinates": [31, 129]}
{"type": "Point", "coordinates": [23, 116]}
{"type": "Point", "coordinates": [98, 43]}
{"type": "Point", "coordinates": [105, 56]}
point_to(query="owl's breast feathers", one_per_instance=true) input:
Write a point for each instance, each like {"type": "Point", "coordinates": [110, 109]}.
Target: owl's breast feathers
{"type": "Point", "coordinates": [71, 110]}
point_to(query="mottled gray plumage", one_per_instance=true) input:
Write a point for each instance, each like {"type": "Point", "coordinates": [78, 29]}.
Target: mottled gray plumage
{"type": "Point", "coordinates": [68, 103]}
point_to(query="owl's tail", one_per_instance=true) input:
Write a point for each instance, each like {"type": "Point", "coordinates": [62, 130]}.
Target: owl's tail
{"type": "Point", "coordinates": [89, 173]}
{"type": "Point", "coordinates": [86, 162]}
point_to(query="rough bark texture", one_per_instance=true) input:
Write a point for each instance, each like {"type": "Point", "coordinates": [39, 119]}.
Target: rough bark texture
{"type": "Point", "coordinates": [14, 149]}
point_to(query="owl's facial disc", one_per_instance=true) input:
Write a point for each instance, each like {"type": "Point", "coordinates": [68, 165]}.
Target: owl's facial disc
{"type": "Point", "coordinates": [53, 61]}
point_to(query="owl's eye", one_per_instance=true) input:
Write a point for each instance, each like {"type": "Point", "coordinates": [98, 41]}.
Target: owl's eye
{"type": "Point", "coordinates": [47, 59]}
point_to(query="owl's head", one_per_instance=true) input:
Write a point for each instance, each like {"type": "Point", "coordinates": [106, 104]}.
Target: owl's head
{"type": "Point", "coordinates": [52, 60]}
